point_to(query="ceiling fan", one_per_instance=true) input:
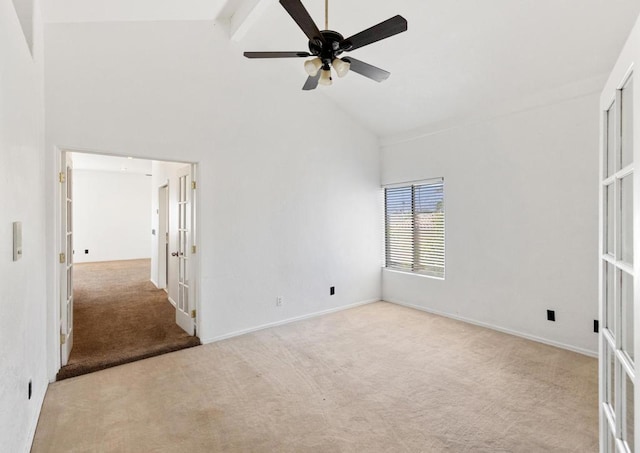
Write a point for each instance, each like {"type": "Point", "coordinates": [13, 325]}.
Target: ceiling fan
{"type": "Point", "coordinates": [326, 45]}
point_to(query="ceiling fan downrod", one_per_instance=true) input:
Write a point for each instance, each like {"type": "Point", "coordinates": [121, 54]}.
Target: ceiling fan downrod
{"type": "Point", "coordinates": [326, 14]}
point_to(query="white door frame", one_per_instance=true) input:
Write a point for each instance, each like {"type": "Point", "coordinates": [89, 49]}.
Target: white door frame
{"type": "Point", "coordinates": [54, 269]}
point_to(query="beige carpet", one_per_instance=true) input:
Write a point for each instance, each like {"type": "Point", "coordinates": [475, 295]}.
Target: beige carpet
{"type": "Point", "coordinates": [378, 378]}
{"type": "Point", "coordinates": [119, 317]}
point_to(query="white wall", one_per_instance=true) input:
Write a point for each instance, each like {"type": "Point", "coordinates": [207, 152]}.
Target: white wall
{"type": "Point", "coordinates": [22, 285]}
{"type": "Point", "coordinates": [521, 200]}
{"type": "Point", "coordinates": [288, 185]}
{"type": "Point", "coordinates": [111, 216]}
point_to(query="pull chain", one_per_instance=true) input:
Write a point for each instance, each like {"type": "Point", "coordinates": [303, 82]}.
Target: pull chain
{"type": "Point", "coordinates": [326, 14]}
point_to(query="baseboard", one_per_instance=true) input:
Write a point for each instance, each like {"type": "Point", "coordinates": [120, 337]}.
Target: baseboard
{"type": "Point", "coordinates": [36, 417]}
{"type": "Point", "coordinates": [516, 333]}
{"type": "Point", "coordinates": [154, 283]}
{"type": "Point", "coordinates": [171, 300]}
{"type": "Point", "coordinates": [286, 321]}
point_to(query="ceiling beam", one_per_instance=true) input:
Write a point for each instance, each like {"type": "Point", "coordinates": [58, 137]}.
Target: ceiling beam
{"type": "Point", "coordinates": [247, 13]}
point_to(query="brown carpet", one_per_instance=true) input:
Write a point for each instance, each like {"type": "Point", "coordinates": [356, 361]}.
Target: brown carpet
{"type": "Point", "coordinates": [377, 378]}
{"type": "Point", "coordinates": [120, 317]}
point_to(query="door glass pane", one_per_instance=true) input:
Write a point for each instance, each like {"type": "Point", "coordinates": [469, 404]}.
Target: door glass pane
{"type": "Point", "coordinates": [626, 125]}
{"type": "Point", "coordinates": [610, 149]}
{"type": "Point", "coordinates": [626, 298]}
{"type": "Point", "coordinates": [626, 219]}
{"type": "Point", "coordinates": [609, 281]}
{"type": "Point", "coordinates": [611, 442]}
{"type": "Point", "coordinates": [610, 393]}
{"type": "Point", "coordinates": [609, 219]}
{"type": "Point", "coordinates": [628, 433]}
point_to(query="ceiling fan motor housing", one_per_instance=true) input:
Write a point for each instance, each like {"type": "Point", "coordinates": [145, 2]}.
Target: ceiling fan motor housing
{"type": "Point", "coordinates": [328, 50]}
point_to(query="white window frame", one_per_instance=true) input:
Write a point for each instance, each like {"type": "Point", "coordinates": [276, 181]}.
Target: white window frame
{"type": "Point", "coordinates": [407, 184]}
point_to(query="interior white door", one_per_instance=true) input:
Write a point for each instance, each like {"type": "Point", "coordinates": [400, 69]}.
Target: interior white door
{"type": "Point", "coordinates": [182, 248]}
{"type": "Point", "coordinates": [66, 259]}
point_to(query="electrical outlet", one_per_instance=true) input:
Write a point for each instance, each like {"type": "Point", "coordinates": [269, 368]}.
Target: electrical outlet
{"type": "Point", "coordinates": [30, 389]}
{"type": "Point", "coordinates": [596, 326]}
{"type": "Point", "coordinates": [332, 290]}
{"type": "Point", "coordinates": [86, 251]}
{"type": "Point", "coordinates": [279, 301]}
{"type": "Point", "coordinates": [551, 315]}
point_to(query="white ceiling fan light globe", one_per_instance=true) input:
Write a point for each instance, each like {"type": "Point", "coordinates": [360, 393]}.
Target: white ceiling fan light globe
{"type": "Point", "coordinates": [325, 77]}
{"type": "Point", "coordinates": [313, 66]}
{"type": "Point", "coordinates": [341, 67]}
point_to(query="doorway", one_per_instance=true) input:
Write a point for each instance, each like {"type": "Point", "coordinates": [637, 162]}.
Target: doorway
{"type": "Point", "coordinates": [118, 223]}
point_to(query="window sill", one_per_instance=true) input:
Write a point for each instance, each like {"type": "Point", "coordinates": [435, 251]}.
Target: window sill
{"type": "Point", "coordinates": [395, 271]}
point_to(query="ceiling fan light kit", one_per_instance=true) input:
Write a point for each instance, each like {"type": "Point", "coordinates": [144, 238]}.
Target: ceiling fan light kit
{"type": "Point", "coordinates": [326, 45]}
{"type": "Point", "coordinates": [341, 67]}
{"type": "Point", "coordinates": [313, 66]}
{"type": "Point", "coordinates": [325, 77]}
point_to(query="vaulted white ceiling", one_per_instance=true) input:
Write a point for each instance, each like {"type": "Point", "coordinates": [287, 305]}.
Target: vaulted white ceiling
{"type": "Point", "coordinates": [130, 10]}
{"type": "Point", "coordinates": [459, 60]}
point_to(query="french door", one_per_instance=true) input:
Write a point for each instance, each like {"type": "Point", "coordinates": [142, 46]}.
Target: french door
{"type": "Point", "coordinates": [66, 259]}
{"type": "Point", "coordinates": [182, 244]}
{"type": "Point", "coordinates": [617, 270]}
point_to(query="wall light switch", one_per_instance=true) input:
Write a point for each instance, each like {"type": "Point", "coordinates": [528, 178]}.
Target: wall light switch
{"type": "Point", "coordinates": [17, 241]}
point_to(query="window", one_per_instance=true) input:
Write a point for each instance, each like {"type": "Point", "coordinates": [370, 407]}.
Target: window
{"type": "Point", "coordinates": [414, 227]}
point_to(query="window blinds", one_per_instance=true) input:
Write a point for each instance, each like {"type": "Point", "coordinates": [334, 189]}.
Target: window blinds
{"type": "Point", "coordinates": [414, 228]}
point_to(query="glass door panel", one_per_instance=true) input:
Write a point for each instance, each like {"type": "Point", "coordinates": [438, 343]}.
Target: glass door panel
{"type": "Point", "coordinates": [626, 124]}
{"type": "Point", "coordinates": [610, 388]}
{"type": "Point", "coordinates": [626, 219]}
{"type": "Point", "coordinates": [609, 224]}
{"type": "Point", "coordinates": [609, 297]}
{"type": "Point", "coordinates": [626, 296]}
{"type": "Point", "coordinates": [610, 154]}
{"type": "Point", "coordinates": [629, 413]}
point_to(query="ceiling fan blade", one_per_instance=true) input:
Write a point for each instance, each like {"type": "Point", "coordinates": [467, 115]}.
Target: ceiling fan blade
{"type": "Point", "coordinates": [276, 54]}
{"type": "Point", "coordinates": [367, 70]}
{"type": "Point", "coordinates": [312, 82]}
{"type": "Point", "coordinates": [297, 11]}
{"type": "Point", "coordinates": [389, 27]}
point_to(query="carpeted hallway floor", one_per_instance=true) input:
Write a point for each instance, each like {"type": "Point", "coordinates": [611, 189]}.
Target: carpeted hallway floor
{"type": "Point", "coordinates": [377, 378]}
{"type": "Point", "coordinates": [120, 317]}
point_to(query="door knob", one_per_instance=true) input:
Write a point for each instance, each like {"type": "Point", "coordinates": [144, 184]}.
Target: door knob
{"type": "Point", "coordinates": [174, 253]}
